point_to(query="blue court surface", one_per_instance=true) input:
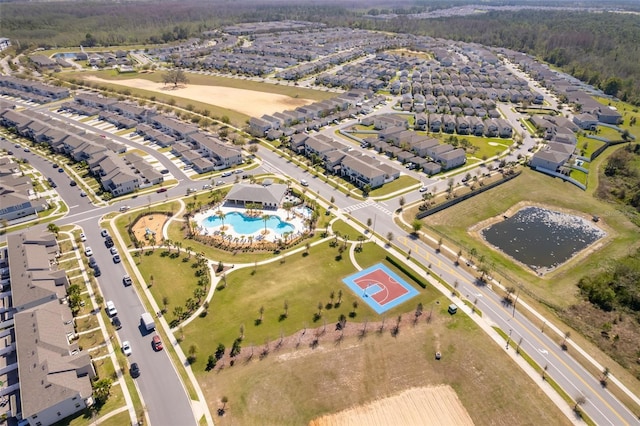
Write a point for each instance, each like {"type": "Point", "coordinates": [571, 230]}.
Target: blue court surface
{"type": "Point", "coordinates": [380, 287]}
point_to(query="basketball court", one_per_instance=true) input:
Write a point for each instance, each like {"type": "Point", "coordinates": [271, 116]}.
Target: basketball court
{"type": "Point", "coordinates": [380, 287]}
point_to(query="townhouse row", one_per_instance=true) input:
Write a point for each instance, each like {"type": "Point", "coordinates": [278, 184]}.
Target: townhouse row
{"type": "Point", "coordinates": [46, 376]}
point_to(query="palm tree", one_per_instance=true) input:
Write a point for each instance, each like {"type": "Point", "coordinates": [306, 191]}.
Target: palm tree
{"type": "Point", "coordinates": [339, 297]}
{"type": "Point", "coordinates": [224, 401]}
{"type": "Point", "coordinates": [580, 400]}
{"type": "Point", "coordinates": [564, 342]}
{"type": "Point", "coordinates": [605, 376]}
{"type": "Point", "coordinates": [199, 293]}
{"type": "Point", "coordinates": [401, 202]}
{"type": "Point", "coordinates": [261, 311]}
{"type": "Point", "coordinates": [221, 215]}
{"type": "Point", "coordinates": [286, 309]}
{"type": "Point", "coordinates": [152, 241]}
{"type": "Point", "coordinates": [165, 303]}
{"type": "Point", "coordinates": [265, 219]}
{"type": "Point", "coordinates": [390, 237]}
{"type": "Point", "coordinates": [319, 309]}
{"type": "Point", "coordinates": [332, 296]}
{"type": "Point", "coordinates": [189, 249]}
{"type": "Point", "coordinates": [355, 306]}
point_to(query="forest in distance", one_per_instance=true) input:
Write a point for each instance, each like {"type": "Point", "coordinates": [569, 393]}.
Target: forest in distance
{"type": "Point", "coordinates": [598, 48]}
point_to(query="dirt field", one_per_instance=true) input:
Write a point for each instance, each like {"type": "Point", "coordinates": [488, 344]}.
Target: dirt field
{"type": "Point", "coordinates": [249, 102]}
{"type": "Point", "coordinates": [429, 406]}
{"type": "Point", "coordinates": [153, 222]}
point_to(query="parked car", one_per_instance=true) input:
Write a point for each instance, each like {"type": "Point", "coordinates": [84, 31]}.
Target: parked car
{"type": "Point", "coordinates": [304, 182]}
{"type": "Point", "coordinates": [111, 309]}
{"type": "Point", "coordinates": [104, 233]}
{"type": "Point", "coordinates": [115, 321]}
{"type": "Point", "coordinates": [226, 174]}
{"type": "Point", "coordinates": [124, 208]}
{"type": "Point", "coordinates": [88, 252]}
{"type": "Point", "coordinates": [424, 189]}
{"type": "Point", "coordinates": [116, 258]}
{"type": "Point", "coordinates": [96, 271]}
{"type": "Point", "coordinates": [134, 370]}
{"type": "Point", "coordinates": [161, 190]}
{"type": "Point", "coordinates": [60, 170]}
{"type": "Point", "coordinates": [55, 166]}
{"type": "Point", "coordinates": [113, 250]}
{"type": "Point", "coordinates": [83, 237]}
{"type": "Point", "coordinates": [108, 242]}
{"type": "Point", "coordinates": [157, 343]}
{"type": "Point", "coordinates": [126, 280]}
{"type": "Point", "coordinates": [73, 183]}
{"type": "Point", "coordinates": [92, 262]}
{"type": "Point", "coordinates": [126, 348]}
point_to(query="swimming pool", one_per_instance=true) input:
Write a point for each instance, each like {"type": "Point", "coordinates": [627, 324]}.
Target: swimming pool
{"type": "Point", "coordinates": [248, 225]}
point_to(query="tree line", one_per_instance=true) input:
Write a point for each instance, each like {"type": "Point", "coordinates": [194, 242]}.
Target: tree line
{"type": "Point", "coordinates": [598, 48]}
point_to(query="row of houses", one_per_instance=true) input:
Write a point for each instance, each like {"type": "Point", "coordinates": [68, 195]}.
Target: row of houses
{"type": "Point", "coordinates": [46, 376]}
{"type": "Point", "coordinates": [362, 170]}
{"type": "Point", "coordinates": [576, 92]}
{"type": "Point", "coordinates": [291, 54]}
{"type": "Point", "coordinates": [117, 175]}
{"type": "Point", "coordinates": [203, 151]}
{"type": "Point", "coordinates": [447, 123]}
{"type": "Point", "coordinates": [559, 132]}
{"type": "Point", "coordinates": [313, 116]}
{"type": "Point", "coordinates": [414, 149]}
{"type": "Point", "coordinates": [33, 91]}
{"type": "Point", "coordinates": [16, 193]}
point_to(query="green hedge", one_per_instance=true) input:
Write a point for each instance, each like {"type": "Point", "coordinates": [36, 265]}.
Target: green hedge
{"type": "Point", "coordinates": [405, 271]}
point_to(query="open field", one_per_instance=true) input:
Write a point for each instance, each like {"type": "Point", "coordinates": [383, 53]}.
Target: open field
{"type": "Point", "coordinates": [337, 375]}
{"type": "Point", "coordinates": [432, 406]}
{"type": "Point", "coordinates": [339, 371]}
{"type": "Point", "coordinates": [248, 102]}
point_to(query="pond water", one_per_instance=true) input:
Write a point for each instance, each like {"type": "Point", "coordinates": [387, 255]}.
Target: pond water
{"type": "Point", "coordinates": [542, 239]}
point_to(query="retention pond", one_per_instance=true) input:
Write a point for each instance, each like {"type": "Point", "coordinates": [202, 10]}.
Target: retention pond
{"type": "Point", "coordinates": [542, 239]}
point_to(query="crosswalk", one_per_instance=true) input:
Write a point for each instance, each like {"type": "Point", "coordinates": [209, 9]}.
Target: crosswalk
{"type": "Point", "coordinates": [367, 204]}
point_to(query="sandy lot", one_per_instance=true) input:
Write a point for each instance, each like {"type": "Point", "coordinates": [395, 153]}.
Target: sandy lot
{"type": "Point", "coordinates": [249, 102]}
{"type": "Point", "coordinates": [427, 406]}
{"type": "Point", "coordinates": [153, 222]}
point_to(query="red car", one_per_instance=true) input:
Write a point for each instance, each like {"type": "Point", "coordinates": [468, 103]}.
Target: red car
{"type": "Point", "coordinates": [157, 343]}
{"type": "Point", "coordinates": [161, 190]}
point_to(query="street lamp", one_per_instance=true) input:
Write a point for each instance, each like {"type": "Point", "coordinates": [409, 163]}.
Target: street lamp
{"type": "Point", "coordinates": [508, 340]}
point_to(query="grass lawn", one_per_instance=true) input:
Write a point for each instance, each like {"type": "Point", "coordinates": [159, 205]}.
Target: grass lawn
{"type": "Point", "coordinates": [399, 184]}
{"type": "Point", "coordinates": [338, 375]}
{"type": "Point", "coordinates": [488, 147]}
{"type": "Point", "coordinates": [578, 175]}
{"type": "Point", "coordinates": [609, 133]}
{"type": "Point", "coordinates": [558, 287]}
{"type": "Point", "coordinates": [345, 229]}
{"type": "Point", "coordinates": [587, 146]}
{"type": "Point", "coordinates": [628, 111]}
{"type": "Point", "coordinates": [173, 277]}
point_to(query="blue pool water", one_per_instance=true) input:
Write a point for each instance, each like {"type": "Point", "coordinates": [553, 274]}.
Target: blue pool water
{"type": "Point", "coordinates": [246, 225]}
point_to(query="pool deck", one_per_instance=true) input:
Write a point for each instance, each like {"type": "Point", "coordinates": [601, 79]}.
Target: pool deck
{"type": "Point", "coordinates": [294, 218]}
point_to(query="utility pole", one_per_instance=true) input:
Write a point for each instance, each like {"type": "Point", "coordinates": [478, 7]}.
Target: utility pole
{"type": "Point", "coordinates": [515, 303]}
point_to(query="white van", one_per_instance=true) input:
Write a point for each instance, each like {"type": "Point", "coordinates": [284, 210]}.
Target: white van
{"type": "Point", "coordinates": [304, 182]}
